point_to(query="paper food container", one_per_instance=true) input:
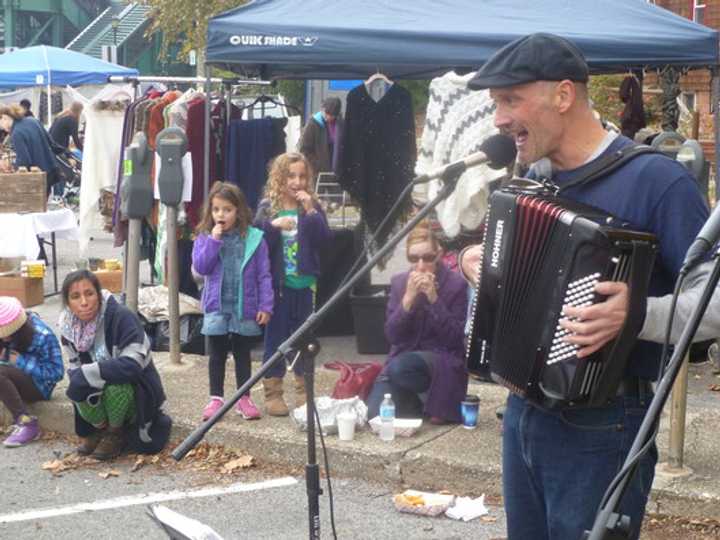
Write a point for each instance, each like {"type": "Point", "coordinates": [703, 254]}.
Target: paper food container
{"type": "Point", "coordinates": [404, 427]}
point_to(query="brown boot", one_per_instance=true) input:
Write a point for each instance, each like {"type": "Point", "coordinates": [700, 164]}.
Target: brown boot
{"type": "Point", "coordinates": [300, 396]}
{"type": "Point", "coordinates": [112, 443]}
{"type": "Point", "coordinates": [274, 403]}
{"type": "Point", "coordinates": [88, 444]}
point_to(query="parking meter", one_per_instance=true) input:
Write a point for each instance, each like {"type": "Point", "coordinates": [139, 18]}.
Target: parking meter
{"type": "Point", "coordinates": [171, 144]}
{"type": "Point", "coordinates": [136, 194]}
{"type": "Point", "coordinates": [691, 155]}
{"type": "Point", "coordinates": [668, 142]}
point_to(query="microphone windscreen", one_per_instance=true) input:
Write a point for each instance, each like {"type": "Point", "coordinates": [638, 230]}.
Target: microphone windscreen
{"type": "Point", "coordinates": [500, 150]}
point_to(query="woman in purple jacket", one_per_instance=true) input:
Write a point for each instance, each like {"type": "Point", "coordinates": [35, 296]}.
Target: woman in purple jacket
{"type": "Point", "coordinates": [237, 297]}
{"type": "Point", "coordinates": [425, 370]}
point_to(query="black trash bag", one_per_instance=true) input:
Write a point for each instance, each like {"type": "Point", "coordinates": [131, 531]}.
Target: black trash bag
{"type": "Point", "coordinates": [191, 339]}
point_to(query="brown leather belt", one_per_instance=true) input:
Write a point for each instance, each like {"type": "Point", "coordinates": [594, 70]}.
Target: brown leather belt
{"type": "Point", "coordinates": [635, 387]}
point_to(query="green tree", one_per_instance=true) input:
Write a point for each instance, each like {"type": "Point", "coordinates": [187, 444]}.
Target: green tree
{"type": "Point", "coordinates": [185, 22]}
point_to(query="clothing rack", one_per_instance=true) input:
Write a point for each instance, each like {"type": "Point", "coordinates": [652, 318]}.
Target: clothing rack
{"type": "Point", "coordinates": [206, 82]}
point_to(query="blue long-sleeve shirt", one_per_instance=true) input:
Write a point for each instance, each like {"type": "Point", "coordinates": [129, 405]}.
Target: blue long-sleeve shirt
{"type": "Point", "coordinates": [43, 359]}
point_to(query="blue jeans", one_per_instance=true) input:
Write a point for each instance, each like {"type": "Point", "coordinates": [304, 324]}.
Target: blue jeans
{"type": "Point", "coordinates": [404, 377]}
{"type": "Point", "coordinates": [557, 466]}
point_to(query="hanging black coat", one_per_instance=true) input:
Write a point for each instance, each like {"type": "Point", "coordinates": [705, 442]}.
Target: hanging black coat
{"type": "Point", "coordinates": [378, 152]}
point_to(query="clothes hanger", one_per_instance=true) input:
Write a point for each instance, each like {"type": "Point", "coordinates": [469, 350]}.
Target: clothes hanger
{"type": "Point", "coordinates": [264, 98]}
{"type": "Point", "coordinates": [377, 76]}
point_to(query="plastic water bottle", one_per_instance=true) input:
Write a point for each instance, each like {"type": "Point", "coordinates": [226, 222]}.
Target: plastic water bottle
{"type": "Point", "coordinates": [387, 419]}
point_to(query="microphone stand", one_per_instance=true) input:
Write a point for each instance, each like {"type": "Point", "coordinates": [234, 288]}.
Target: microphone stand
{"type": "Point", "coordinates": [299, 341]}
{"type": "Point", "coordinates": [609, 524]}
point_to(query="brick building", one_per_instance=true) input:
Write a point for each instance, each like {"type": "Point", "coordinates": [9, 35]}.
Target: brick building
{"type": "Point", "coordinates": [695, 86]}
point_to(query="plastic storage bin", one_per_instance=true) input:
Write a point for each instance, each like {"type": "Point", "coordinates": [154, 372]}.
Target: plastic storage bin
{"type": "Point", "coordinates": [368, 309]}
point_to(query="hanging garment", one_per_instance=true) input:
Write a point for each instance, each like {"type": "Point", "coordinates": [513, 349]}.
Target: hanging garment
{"type": "Point", "coordinates": [104, 119]}
{"type": "Point", "coordinates": [632, 118]}
{"type": "Point", "coordinates": [250, 146]}
{"type": "Point", "coordinates": [196, 143]}
{"type": "Point", "coordinates": [458, 120]}
{"type": "Point", "coordinates": [378, 151]}
{"type": "Point", "coordinates": [293, 130]}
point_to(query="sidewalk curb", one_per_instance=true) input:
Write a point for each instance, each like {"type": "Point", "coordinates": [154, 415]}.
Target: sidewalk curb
{"type": "Point", "coordinates": [419, 467]}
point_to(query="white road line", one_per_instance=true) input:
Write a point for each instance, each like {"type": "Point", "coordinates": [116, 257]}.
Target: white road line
{"type": "Point", "coordinates": [146, 498]}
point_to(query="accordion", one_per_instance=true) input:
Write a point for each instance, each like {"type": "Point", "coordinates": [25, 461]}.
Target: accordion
{"type": "Point", "coordinates": [542, 252]}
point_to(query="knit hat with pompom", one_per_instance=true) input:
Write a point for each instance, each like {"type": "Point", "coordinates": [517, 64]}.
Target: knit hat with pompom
{"type": "Point", "coordinates": [12, 316]}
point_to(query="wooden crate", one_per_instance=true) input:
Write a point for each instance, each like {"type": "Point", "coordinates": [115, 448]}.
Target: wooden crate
{"type": "Point", "coordinates": [23, 192]}
{"type": "Point", "coordinates": [112, 280]}
{"type": "Point", "coordinates": [29, 291]}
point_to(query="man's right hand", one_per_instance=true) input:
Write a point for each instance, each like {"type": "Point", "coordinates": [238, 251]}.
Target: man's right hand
{"type": "Point", "coordinates": [470, 263]}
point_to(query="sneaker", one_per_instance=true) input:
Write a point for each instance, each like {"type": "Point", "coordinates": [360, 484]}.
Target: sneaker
{"type": "Point", "coordinates": [25, 431]}
{"type": "Point", "coordinates": [247, 409]}
{"type": "Point", "coordinates": [212, 407]}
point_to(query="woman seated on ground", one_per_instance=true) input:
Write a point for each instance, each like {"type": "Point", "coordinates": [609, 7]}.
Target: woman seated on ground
{"type": "Point", "coordinates": [425, 371]}
{"type": "Point", "coordinates": [30, 366]}
{"type": "Point", "coordinates": [114, 385]}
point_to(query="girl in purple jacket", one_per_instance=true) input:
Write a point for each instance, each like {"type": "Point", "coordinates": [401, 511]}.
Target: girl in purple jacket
{"type": "Point", "coordinates": [237, 297]}
{"type": "Point", "coordinates": [296, 228]}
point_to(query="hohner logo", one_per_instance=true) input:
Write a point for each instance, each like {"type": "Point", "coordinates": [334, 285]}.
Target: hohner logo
{"type": "Point", "coordinates": [497, 242]}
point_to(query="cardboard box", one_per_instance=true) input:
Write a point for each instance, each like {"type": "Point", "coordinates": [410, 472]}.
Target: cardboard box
{"type": "Point", "coordinates": [112, 280]}
{"type": "Point", "coordinates": [29, 291]}
{"type": "Point", "coordinates": [23, 192]}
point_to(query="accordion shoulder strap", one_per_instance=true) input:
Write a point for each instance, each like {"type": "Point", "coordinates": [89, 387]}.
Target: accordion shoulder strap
{"type": "Point", "coordinates": [608, 164]}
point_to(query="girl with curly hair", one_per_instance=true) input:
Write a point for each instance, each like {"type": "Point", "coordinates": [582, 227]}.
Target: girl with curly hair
{"type": "Point", "coordinates": [295, 228]}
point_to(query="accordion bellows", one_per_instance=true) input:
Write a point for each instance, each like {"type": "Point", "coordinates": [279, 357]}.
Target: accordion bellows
{"type": "Point", "coordinates": [542, 252]}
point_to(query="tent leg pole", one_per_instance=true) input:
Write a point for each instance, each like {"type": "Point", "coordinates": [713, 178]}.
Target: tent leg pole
{"type": "Point", "coordinates": [49, 105]}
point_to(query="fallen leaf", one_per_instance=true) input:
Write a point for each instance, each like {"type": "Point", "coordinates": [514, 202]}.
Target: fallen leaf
{"type": "Point", "coordinates": [488, 519]}
{"type": "Point", "coordinates": [52, 465]}
{"type": "Point", "coordinates": [139, 463]}
{"type": "Point", "coordinates": [715, 387]}
{"type": "Point", "coordinates": [242, 462]}
{"type": "Point", "coordinates": [107, 474]}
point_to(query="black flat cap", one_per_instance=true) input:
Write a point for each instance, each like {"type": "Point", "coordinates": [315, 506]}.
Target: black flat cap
{"type": "Point", "coordinates": [537, 57]}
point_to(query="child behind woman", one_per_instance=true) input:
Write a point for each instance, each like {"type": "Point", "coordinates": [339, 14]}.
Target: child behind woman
{"type": "Point", "coordinates": [238, 295]}
{"type": "Point", "coordinates": [295, 228]}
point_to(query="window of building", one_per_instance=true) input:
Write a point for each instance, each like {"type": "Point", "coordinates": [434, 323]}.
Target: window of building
{"type": "Point", "coordinates": [699, 11]}
{"type": "Point", "coordinates": [688, 99]}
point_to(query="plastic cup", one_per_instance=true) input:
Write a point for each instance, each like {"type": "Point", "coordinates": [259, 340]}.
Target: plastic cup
{"type": "Point", "coordinates": [346, 426]}
{"type": "Point", "coordinates": [469, 410]}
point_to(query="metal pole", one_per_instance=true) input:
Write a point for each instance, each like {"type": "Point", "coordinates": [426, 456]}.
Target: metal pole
{"type": "Point", "coordinates": [173, 281]}
{"type": "Point", "coordinates": [715, 105]}
{"type": "Point", "coordinates": [132, 264]}
{"type": "Point", "coordinates": [677, 417]}
{"type": "Point", "coordinates": [206, 140]}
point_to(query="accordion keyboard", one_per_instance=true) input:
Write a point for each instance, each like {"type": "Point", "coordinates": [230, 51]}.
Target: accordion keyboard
{"type": "Point", "coordinates": [580, 293]}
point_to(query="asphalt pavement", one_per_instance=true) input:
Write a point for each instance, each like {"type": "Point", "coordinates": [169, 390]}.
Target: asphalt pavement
{"type": "Point", "coordinates": [464, 462]}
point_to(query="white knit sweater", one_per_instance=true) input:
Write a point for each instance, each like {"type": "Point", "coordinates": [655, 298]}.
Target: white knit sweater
{"type": "Point", "coordinates": [458, 121]}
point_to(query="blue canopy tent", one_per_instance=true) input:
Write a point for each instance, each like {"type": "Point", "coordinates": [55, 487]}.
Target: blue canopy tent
{"type": "Point", "coordinates": [316, 39]}
{"type": "Point", "coordinates": [43, 65]}
{"type": "Point", "coordinates": [48, 66]}
{"type": "Point", "coordinates": [351, 39]}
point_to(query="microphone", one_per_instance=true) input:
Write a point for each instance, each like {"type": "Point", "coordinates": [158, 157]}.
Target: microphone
{"type": "Point", "coordinates": [706, 239]}
{"type": "Point", "coordinates": [497, 151]}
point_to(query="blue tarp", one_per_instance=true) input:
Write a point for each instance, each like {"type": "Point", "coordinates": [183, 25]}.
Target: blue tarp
{"type": "Point", "coordinates": [317, 39]}
{"type": "Point", "coordinates": [43, 65]}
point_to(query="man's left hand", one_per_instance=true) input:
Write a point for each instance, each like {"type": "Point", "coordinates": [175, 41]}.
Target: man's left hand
{"type": "Point", "coordinates": [600, 323]}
